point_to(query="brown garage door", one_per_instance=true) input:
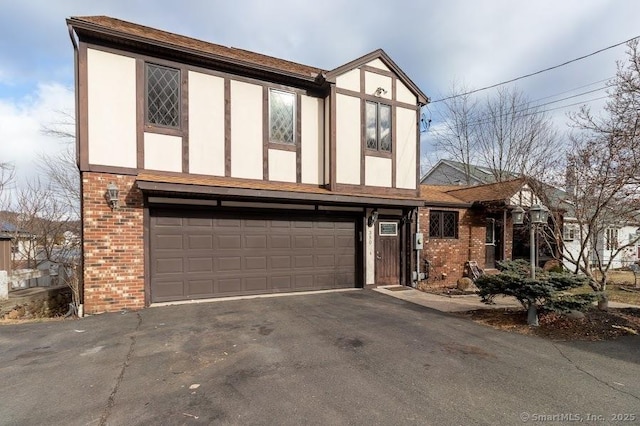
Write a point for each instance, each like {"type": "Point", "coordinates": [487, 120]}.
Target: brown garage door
{"type": "Point", "coordinates": [196, 255]}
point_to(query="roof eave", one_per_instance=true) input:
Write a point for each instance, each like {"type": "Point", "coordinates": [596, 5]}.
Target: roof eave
{"type": "Point", "coordinates": [83, 28]}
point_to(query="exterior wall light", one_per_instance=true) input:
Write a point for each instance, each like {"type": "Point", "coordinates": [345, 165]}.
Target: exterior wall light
{"type": "Point", "coordinates": [380, 91]}
{"type": "Point", "coordinates": [372, 219]}
{"type": "Point", "coordinates": [112, 195]}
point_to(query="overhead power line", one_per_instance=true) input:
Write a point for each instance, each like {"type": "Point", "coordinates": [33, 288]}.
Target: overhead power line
{"type": "Point", "coordinates": [537, 72]}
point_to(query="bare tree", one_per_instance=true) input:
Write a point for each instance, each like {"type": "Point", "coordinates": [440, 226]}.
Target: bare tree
{"type": "Point", "coordinates": [515, 137]}
{"type": "Point", "coordinates": [458, 137]}
{"type": "Point", "coordinates": [507, 134]}
{"type": "Point", "coordinates": [604, 168]}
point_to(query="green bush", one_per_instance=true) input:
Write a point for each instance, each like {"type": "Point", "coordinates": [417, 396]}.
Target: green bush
{"type": "Point", "coordinates": [545, 290]}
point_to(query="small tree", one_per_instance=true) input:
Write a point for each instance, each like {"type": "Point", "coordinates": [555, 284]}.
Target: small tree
{"type": "Point", "coordinates": [546, 290]}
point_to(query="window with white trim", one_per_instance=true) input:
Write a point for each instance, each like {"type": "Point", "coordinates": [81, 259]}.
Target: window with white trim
{"type": "Point", "coordinates": [568, 232]}
{"type": "Point", "coordinates": [282, 113]}
{"type": "Point", "coordinates": [378, 126]}
{"type": "Point", "coordinates": [611, 238]}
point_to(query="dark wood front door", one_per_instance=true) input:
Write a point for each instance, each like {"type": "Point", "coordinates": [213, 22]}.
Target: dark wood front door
{"type": "Point", "coordinates": [387, 252]}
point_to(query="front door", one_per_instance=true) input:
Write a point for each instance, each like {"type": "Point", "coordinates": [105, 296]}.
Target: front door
{"type": "Point", "coordinates": [387, 252]}
{"type": "Point", "coordinates": [490, 245]}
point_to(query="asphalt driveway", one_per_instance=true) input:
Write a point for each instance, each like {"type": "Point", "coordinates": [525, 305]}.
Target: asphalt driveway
{"type": "Point", "coordinates": [355, 357]}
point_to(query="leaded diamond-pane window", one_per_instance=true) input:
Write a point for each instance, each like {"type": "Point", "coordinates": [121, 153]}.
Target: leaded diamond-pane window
{"type": "Point", "coordinates": [163, 96]}
{"type": "Point", "coordinates": [384, 127]}
{"type": "Point", "coordinates": [371, 117]}
{"type": "Point", "coordinates": [378, 126]}
{"type": "Point", "coordinates": [443, 224]}
{"type": "Point", "coordinates": [281, 117]}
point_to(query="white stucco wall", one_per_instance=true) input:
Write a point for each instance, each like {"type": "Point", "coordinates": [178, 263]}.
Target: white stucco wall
{"type": "Point", "coordinates": [111, 86]}
{"type": "Point", "coordinates": [349, 80]}
{"type": "Point", "coordinates": [377, 171]}
{"type": "Point", "coordinates": [206, 124]}
{"type": "Point", "coordinates": [403, 94]}
{"type": "Point", "coordinates": [348, 144]}
{"type": "Point", "coordinates": [162, 152]}
{"type": "Point", "coordinates": [327, 140]}
{"type": "Point", "coordinates": [282, 165]}
{"type": "Point", "coordinates": [246, 130]}
{"type": "Point", "coordinates": [406, 140]}
{"type": "Point", "coordinates": [377, 63]}
{"type": "Point", "coordinates": [312, 140]}
{"type": "Point", "coordinates": [373, 81]}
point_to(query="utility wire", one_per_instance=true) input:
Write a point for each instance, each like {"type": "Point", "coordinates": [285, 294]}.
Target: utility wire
{"type": "Point", "coordinates": [537, 72]}
{"type": "Point", "coordinates": [571, 90]}
{"type": "Point", "coordinates": [487, 119]}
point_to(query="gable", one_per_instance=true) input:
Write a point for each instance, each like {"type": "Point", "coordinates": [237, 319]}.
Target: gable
{"type": "Point", "coordinates": [379, 71]}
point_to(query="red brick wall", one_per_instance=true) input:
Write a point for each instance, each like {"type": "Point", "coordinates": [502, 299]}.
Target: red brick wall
{"type": "Point", "coordinates": [448, 256]}
{"type": "Point", "coordinates": [113, 245]}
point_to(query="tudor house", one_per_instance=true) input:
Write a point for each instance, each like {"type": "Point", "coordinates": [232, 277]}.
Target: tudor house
{"type": "Point", "coordinates": [209, 171]}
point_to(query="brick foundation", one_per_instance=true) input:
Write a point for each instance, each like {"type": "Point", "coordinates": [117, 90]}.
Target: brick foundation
{"type": "Point", "coordinates": [113, 243]}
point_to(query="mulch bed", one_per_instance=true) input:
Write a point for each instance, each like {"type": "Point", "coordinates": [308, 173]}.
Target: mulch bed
{"type": "Point", "coordinates": [596, 325]}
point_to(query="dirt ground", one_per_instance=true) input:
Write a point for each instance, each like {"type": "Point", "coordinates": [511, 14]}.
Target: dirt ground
{"type": "Point", "coordinates": [596, 325]}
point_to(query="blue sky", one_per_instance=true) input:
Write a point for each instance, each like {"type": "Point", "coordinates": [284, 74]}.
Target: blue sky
{"type": "Point", "coordinates": [435, 42]}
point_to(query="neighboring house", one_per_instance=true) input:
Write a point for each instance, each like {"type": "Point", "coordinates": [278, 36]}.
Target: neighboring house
{"type": "Point", "coordinates": [474, 223]}
{"type": "Point", "coordinates": [608, 243]}
{"type": "Point", "coordinates": [449, 172]}
{"type": "Point", "coordinates": [238, 173]}
{"type": "Point", "coordinates": [23, 244]}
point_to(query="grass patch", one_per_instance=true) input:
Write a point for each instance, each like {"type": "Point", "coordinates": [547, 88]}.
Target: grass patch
{"type": "Point", "coordinates": [618, 282]}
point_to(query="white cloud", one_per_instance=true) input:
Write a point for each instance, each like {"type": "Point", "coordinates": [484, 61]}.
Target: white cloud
{"type": "Point", "coordinates": [22, 138]}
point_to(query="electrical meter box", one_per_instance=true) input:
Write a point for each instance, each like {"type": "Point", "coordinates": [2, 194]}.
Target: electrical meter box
{"type": "Point", "coordinates": [418, 241]}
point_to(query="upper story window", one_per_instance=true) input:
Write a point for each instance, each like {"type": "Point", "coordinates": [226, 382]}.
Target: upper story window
{"type": "Point", "coordinates": [163, 96]}
{"type": "Point", "coordinates": [282, 117]}
{"type": "Point", "coordinates": [568, 232]}
{"type": "Point", "coordinates": [443, 224]}
{"type": "Point", "coordinates": [611, 239]}
{"type": "Point", "coordinates": [378, 122]}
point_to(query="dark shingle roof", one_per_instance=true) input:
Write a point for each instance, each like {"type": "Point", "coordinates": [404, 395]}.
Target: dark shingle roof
{"type": "Point", "coordinates": [113, 26]}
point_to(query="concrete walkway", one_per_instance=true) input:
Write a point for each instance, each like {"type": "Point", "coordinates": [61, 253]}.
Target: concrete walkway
{"type": "Point", "coordinates": [458, 303]}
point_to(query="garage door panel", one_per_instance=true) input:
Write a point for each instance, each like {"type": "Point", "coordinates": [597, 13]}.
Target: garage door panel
{"type": "Point", "coordinates": [325, 241]}
{"type": "Point", "coordinates": [169, 290]}
{"type": "Point", "coordinates": [203, 264]}
{"type": "Point", "coordinates": [303, 241]}
{"type": "Point", "coordinates": [255, 262]}
{"type": "Point", "coordinates": [200, 287]}
{"type": "Point", "coordinates": [325, 261]}
{"type": "Point", "coordinates": [280, 241]}
{"type": "Point", "coordinates": [200, 222]}
{"type": "Point", "coordinates": [199, 256]}
{"type": "Point", "coordinates": [168, 221]}
{"type": "Point", "coordinates": [227, 242]}
{"type": "Point", "coordinates": [282, 282]}
{"type": "Point", "coordinates": [229, 285]}
{"type": "Point", "coordinates": [255, 241]}
{"type": "Point", "coordinates": [281, 262]}
{"type": "Point", "coordinates": [303, 261]}
{"type": "Point", "coordinates": [229, 263]}
{"type": "Point", "coordinates": [167, 265]}
{"type": "Point", "coordinates": [169, 242]}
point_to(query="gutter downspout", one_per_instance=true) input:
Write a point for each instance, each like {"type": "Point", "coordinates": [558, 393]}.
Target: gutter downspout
{"type": "Point", "coordinates": [417, 280]}
{"type": "Point", "coordinates": [80, 269]}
